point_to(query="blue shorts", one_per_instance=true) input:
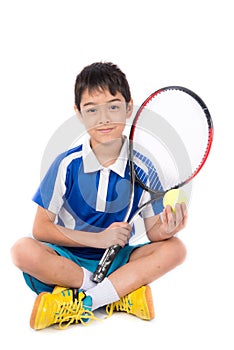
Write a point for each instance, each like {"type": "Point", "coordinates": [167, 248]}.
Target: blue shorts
{"type": "Point", "coordinates": [121, 259]}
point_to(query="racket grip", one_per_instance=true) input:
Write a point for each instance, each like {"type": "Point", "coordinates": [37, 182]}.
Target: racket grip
{"type": "Point", "coordinates": [105, 263]}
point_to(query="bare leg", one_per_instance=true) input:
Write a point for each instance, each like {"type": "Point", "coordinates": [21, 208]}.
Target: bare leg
{"type": "Point", "coordinates": [147, 264]}
{"type": "Point", "coordinates": [40, 261]}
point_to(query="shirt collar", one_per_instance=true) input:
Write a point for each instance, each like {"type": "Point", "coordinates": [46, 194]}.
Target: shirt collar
{"type": "Point", "coordinates": [91, 164]}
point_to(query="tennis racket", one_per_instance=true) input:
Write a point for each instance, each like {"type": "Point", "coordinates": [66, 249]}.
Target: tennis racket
{"type": "Point", "coordinates": [169, 142]}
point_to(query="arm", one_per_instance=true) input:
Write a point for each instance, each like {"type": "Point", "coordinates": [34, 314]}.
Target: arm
{"type": "Point", "coordinates": [44, 229]}
{"type": "Point", "coordinates": [166, 225]}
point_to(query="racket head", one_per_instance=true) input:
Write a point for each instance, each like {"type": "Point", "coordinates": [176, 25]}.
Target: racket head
{"type": "Point", "coordinates": [170, 139]}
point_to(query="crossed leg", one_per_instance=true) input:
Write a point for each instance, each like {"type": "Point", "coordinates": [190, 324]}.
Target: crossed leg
{"type": "Point", "coordinates": [146, 264]}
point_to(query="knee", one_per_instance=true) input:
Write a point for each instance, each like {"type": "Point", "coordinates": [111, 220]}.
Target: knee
{"type": "Point", "coordinates": [178, 250]}
{"type": "Point", "coordinates": [20, 250]}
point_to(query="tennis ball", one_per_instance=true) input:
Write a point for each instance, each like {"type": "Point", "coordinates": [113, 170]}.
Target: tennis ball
{"type": "Point", "coordinates": [174, 196]}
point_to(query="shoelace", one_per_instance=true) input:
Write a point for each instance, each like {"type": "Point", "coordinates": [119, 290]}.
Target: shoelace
{"type": "Point", "coordinates": [73, 312]}
{"type": "Point", "coordinates": [121, 305]}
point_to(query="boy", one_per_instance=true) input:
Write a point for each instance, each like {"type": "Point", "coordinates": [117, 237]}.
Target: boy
{"type": "Point", "coordinates": [82, 201]}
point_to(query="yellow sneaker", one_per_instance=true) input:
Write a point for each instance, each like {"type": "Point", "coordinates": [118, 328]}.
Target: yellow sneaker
{"type": "Point", "coordinates": [138, 303]}
{"type": "Point", "coordinates": [63, 307]}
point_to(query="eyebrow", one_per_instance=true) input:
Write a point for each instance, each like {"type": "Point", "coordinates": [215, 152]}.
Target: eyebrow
{"type": "Point", "coordinates": [94, 104]}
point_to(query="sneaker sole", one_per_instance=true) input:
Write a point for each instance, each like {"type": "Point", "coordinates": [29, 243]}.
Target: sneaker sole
{"type": "Point", "coordinates": [149, 299]}
{"type": "Point", "coordinates": [33, 318]}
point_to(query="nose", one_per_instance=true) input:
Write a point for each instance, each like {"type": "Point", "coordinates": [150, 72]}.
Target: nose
{"type": "Point", "coordinates": [104, 117]}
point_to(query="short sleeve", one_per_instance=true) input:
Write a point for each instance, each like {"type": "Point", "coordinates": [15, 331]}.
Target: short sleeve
{"type": "Point", "coordinates": [154, 208]}
{"type": "Point", "coordinates": [51, 191]}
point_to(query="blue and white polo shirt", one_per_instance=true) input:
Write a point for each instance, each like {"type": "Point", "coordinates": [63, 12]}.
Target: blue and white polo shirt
{"type": "Point", "coordinates": [86, 196]}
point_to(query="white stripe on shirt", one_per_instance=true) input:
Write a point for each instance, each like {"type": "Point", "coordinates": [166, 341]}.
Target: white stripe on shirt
{"type": "Point", "coordinates": [56, 201]}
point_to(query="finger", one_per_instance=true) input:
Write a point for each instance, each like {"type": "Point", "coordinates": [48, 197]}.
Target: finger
{"type": "Point", "coordinates": [181, 215]}
{"type": "Point", "coordinates": [124, 225]}
{"type": "Point", "coordinates": [123, 239]}
{"type": "Point", "coordinates": [121, 243]}
{"type": "Point", "coordinates": [178, 214]}
{"type": "Point", "coordinates": [185, 213]}
{"type": "Point", "coordinates": [127, 230]}
{"type": "Point", "coordinates": [128, 227]}
{"type": "Point", "coordinates": [123, 233]}
{"type": "Point", "coordinates": [170, 219]}
{"type": "Point", "coordinates": [163, 216]}
{"type": "Point", "coordinates": [184, 209]}
{"type": "Point", "coordinates": [124, 236]}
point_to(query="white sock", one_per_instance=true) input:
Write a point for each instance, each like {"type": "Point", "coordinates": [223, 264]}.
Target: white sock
{"type": "Point", "coordinates": [102, 294]}
{"type": "Point", "coordinates": [87, 280]}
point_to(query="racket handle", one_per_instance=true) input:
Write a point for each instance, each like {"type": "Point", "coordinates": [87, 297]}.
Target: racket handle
{"type": "Point", "coordinates": [105, 263]}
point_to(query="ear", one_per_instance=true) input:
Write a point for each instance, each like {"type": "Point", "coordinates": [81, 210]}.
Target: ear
{"type": "Point", "coordinates": [130, 108]}
{"type": "Point", "coordinates": [79, 115]}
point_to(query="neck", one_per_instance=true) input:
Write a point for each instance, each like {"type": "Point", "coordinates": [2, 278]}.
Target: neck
{"type": "Point", "coordinates": [108, 152]}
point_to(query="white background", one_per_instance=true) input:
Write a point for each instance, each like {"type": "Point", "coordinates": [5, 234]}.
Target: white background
{"type": "Point", "coordinates": [44, 45]}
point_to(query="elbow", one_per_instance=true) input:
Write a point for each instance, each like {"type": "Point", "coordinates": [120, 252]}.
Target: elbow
{"type": "Point", "coordinates": [36, 232]}
{"type": "Point", "coordinates": [43, 224]}
{"type": "Point", "coordinates": [153, 235]}
{"type": "Point", "coordinates": [39, 230]}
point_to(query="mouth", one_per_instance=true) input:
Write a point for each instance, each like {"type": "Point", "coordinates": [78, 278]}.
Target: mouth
{"type": "Point", "coordinates": [105, 130]}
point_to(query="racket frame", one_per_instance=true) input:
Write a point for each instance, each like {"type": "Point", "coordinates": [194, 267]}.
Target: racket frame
{"type": "Point", "coordinates": [112, 251]}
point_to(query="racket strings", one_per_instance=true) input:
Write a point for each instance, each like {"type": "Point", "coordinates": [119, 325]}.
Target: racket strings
{"type": "Point", "coordinates": [172, 136]}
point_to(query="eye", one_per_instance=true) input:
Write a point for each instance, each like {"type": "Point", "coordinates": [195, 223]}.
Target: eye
{"type": "Point", "coordinates": [114, 107]}
{"type": "Point", "coordinates": [90, 111]}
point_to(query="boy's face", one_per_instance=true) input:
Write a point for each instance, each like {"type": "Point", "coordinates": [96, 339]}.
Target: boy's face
{"type": "Point", "coordinates": [104, 115]}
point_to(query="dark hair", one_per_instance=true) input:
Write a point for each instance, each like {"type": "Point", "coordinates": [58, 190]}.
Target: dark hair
{"type": "Point", "coordinates": [101, 75]}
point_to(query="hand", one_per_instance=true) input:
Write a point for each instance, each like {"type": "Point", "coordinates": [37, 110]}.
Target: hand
{"type": "Point", "coordinates": [116, 233]}
{"type": "Point", "coordinates": [173, 222]}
